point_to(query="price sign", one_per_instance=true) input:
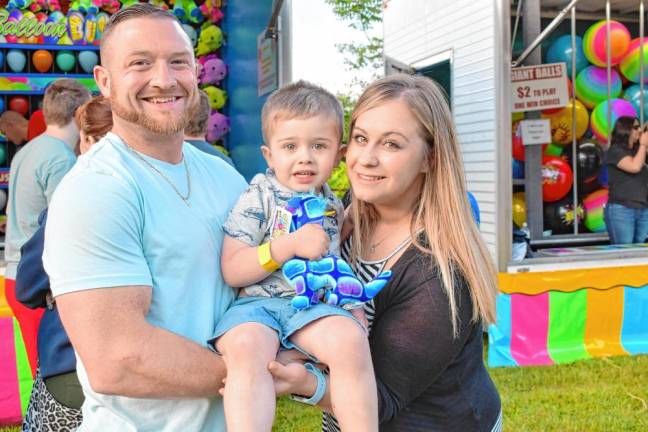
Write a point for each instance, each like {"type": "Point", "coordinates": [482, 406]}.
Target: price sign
{"type": "Point", "coordinates": [539, 87]}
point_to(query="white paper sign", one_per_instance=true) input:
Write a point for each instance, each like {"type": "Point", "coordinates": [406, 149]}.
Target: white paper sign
{"type": "Point", "coordinates": [536, 131]}
{"type": "Point", "coordinates": [539, 87]}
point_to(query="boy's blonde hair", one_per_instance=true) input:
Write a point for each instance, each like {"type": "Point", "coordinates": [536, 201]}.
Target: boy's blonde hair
{"type": "Point", "coordinates": [300, 99]}
{"type": "Point", "coordinates": [62, 98]}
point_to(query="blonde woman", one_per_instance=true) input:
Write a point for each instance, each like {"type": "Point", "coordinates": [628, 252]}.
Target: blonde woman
{"type": "Point", "coordinates": [412, 217]}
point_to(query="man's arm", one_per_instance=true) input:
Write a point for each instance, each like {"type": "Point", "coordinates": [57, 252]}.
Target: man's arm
{"type": "Point", "coordinates": [125, 355]}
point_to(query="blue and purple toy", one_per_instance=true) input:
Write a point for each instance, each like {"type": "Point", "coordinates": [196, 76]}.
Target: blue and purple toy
{"type": "Point", "coordinates": [329, 279]}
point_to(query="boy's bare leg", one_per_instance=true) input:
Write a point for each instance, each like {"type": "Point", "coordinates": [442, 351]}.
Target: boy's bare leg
{"type": "Point", "coordinates": [342, 344]}
{"type": "Point", "coordinates": [249, 398]}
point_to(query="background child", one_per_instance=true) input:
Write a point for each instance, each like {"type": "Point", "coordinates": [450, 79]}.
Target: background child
{"type": "Point", "coordinates": [302, 129]}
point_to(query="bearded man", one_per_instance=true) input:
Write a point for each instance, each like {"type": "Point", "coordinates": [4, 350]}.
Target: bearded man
{"type": "Point", "coordinates": [133, 241]}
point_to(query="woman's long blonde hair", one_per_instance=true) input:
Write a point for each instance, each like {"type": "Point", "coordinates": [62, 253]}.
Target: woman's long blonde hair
{"type": "Point", "coordinates": [441, 208]}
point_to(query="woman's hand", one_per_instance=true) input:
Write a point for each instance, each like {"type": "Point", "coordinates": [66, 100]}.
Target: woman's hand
{"type": "Point", "coordinates": [292, 378]}
{"type": "Point", "coordinates": [643, 139]}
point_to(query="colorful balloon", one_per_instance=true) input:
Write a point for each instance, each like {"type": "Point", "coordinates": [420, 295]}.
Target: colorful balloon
{"type": "Point", "coordinates": [20, 104]}
{"type": "Point", "coordinates": [519, 209]}
{"type": "Point", "coordinates": [1, 60]}
{"type": "Point", "coordinates": [561, 51]}
{"type": "Point", "coordinates": [595, 42]}
{"type": "Point", "coordinates": [592, 85]}
{"type": "Point", "coordinates": [65, 60]}
{"type": "Point", "coordinates": [3, 159]}
{"type": "Point", "coordinates": [76, 27]}
{"type": "Point", "coordinates": [559, 216]}
{"type": "Point", "coordinates": [518, 169]}
{"type": "Point", "coordinates": [633, 95]}
{"type": "Point", "coordinates": [557, 178]}
{"type": "Point", "coordinates": [561, 122]}
{"type": "Point", "coordinates": [102, 20]}
{"type": "Point", "coordinates": [594, 206]}
{"type": "Point", "coordinates": [42, 60]}
{"type": "Point", "coordinates": [630, 65]}
{"type": "Point", "coordinates": [516, 142]}
{"type": "Point", "coordinates": [88, 60]}
{"type": "Point", "coordinates": [16, 60]}
{"type": "Point", "coordinates": [589, 158]}
{"type": "Point", "coordinates": [599, 120]}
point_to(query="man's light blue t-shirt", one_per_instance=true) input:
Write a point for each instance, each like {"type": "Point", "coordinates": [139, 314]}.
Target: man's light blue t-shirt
{"type": "Point", "coordinates": [114, 221]}
{"type": "Point", "coordinates": [36, 171]}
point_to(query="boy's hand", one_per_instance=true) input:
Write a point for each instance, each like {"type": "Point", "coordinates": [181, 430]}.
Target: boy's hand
{"type": "Point", "coordinates": [311, 242]}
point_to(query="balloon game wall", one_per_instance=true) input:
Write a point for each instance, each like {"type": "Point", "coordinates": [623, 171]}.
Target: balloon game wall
{"type": "Point", "coordinates": [43, 40]}
{"type": "Point", "coordinates": [591, 127]}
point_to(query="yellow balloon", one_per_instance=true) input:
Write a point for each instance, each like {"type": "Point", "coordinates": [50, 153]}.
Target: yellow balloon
{"type": "Point", "coordinates": [519, 209]}
{"type": "Point", "coordinates": [561, 122]}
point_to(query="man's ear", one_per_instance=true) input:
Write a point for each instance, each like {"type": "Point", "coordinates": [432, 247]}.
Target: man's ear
{"type": "Point", "coordinates": [102, 78]}
{"type": "Point", "coordinates": [267, 155]}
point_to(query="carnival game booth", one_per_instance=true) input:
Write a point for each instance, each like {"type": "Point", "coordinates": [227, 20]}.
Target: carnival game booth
{"type": "Point", "coordinates": [43, 40]}
{"type": "Point", "coordinates": [534, 87]}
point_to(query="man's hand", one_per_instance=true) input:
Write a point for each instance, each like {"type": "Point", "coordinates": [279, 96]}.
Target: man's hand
{"type": "Point", "coordinates": [292, 378]}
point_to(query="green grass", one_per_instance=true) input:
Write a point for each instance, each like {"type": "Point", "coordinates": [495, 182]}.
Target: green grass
{"type": "Point", "coordinates": [592, 395]}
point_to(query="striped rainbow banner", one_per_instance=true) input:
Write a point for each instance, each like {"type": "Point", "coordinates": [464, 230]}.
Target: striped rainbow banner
{"type": "Point", "coordinates": [15, 371]}
{"type": "Point", "coordinates": [559, 327]}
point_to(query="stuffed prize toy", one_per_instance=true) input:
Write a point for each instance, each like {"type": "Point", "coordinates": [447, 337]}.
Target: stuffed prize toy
{"type": "Point", "coordinates": [210, 39]}
{"type": "Point", "coordinates": [217, 126]}
{"type": "Point", "coordinates": [330, 278]}
{"type": "Point", "coordinates": [213, 70]}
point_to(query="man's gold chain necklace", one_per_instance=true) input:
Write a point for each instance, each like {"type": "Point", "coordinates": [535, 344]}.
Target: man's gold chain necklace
{"type": "Point", "coordinates": [185, 199]}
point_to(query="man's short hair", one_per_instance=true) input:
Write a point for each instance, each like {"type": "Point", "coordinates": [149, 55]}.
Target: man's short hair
{"type": "Point", "coordinates": [197, 125]}
{"type": "Point", "coordinates": [62, 98]}
{"type": "Point", "coordinates": [138, 10]}
{"type": "Point", "coordinates": [300, 100]}
{"type": "Point", "coordinates": [12, 119]}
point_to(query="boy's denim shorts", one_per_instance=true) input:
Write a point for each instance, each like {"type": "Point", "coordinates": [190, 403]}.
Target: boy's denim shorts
{"type": "Point", "coordinates": [278, 314]}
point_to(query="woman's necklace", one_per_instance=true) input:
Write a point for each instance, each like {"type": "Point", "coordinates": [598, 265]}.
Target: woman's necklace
{"type": "Point", "coordinates": [373, 246]}
{"type": "Point", "coordinates": [184, 199]}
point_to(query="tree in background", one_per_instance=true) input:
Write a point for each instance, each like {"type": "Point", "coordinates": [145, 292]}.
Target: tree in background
{"type": "Point", "coordinates": [367, 55]}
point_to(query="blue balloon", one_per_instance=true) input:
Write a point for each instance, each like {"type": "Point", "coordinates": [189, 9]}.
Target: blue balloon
{"type": "Point", "coordinates": [633, 95]}
{"type": "Point", "coordinates": [3, 154]}
{"type": "Point", "coordinates": [16, 60]}
{"type": "Point", "coordinates": [1, 104]}
{"type": "Point", "coordinates": [561, 51]}
{"type": "Point", "coordinates": [603, 176]}
{"type": "Point", "coordinates": [88, 60]}
{"type": "Point", "coordinates": [518, 169]}
{"type": "Point", "coordinates": [1, 59]}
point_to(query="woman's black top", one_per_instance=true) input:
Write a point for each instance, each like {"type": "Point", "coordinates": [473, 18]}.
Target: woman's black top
{"type": "Point", "coordinates": [627, 189]}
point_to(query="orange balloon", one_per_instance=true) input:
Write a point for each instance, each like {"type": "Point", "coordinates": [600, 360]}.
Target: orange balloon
{"type": "Point", "coordinates": [42, 60]}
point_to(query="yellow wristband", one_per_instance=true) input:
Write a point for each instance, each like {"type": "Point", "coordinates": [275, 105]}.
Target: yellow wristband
{"type": "Point", "coordinates": [265, 258]}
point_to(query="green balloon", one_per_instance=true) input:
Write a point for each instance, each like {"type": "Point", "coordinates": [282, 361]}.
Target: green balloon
{"type": "Point", "coordinates": [65, 60]}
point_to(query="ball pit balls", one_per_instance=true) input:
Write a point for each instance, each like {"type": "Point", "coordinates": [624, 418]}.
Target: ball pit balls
{"type": "Point", "coordinates": [592, 85]}
{"type": "Point", "coordinates": [42, 60]}
{"type": "Point", "coordinates": [594, 206]}
{"type": "Point", "coordinates": [630, 65]}
{"type": "Point", "coordinates": [561, 122]}
{"type": "Point", "coordinates": [519, 209]}
{"type": "Point", "coordinates": [16, 60]}
{"type": "Point", "coordinates": [599, 120]}
{"type": "Point", "coordinates": [633, 95]}
{"type": "Point", "coordinates": [20, 104]}
{"type": "Point", "coordinates": [595, 42]}
{"type": "Point", "coordinates": [557, 178]}
{"type": "Point", "coordinates": [65, 60]}
{"type": "Point", "coordinates": [561, 51]}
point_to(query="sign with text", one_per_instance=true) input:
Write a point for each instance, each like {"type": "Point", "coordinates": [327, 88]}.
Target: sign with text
{"type": "Point", "coordinates": [267, 64]}
{"type": "Point", "coordinates": [539, 87]}
{"type": "Point", "coordinates": [536, 131]}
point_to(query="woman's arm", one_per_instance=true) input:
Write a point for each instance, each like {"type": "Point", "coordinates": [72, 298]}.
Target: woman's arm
{"type": "Point", "coordinates": [634, 164]}
{"type": "Point", "coordinates": [412, 341]}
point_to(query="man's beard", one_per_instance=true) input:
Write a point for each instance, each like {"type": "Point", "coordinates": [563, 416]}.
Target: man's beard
{"type": "Point", "coordinates": [168, 126]}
